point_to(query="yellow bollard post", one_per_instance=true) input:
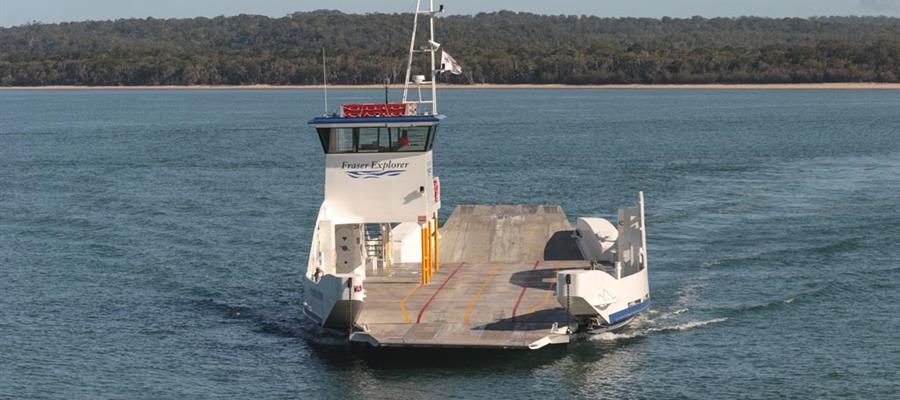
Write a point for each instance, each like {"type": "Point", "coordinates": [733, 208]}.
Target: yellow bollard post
{"type": "Point", "coordinates": [437, 261]}
{"type": "Point", "coordinates": [426, 260]}
{"type": "Point", "coordinates": [433, 243]}
{"type": "Point", "coordinates": [428, 247]}
{"type": "Point", "coordinates": [424, 271]}
{"type": "Point", "coordinates": [430, 264]}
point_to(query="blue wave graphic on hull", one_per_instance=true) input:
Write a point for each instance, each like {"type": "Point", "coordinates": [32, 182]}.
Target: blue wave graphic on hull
{"type": "Point", "coordinates": [374, 174]}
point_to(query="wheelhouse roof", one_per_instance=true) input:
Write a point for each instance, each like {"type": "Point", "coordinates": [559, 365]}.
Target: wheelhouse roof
{"type": "Point", "coordinates": [405, 120]}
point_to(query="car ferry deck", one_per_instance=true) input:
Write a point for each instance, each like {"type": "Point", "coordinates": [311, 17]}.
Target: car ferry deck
{"type": "Point", "coordinates": [496, 286]}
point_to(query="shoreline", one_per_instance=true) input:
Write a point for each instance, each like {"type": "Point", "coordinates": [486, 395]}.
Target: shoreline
{"type": "Point", "coordinates": [715, 86]}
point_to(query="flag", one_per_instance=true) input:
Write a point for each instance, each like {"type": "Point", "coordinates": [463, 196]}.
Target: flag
{"type": "Point", "coordinates": [448, 64]}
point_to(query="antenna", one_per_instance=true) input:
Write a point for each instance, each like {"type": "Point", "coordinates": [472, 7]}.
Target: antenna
{"type": "Point", "coordinates": [412, 50]}
{"type": "Point", "coordinates": [429, 50]}
{"type": "Point", "coordinates": [325, 81]}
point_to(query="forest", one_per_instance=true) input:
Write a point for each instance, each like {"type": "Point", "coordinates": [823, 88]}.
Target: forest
{"type": "Point", "coordinates": [498, 47]}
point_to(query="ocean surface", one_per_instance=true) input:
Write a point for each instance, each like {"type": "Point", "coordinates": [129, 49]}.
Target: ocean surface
{"type": "Point", "coordinates": [151, 243]}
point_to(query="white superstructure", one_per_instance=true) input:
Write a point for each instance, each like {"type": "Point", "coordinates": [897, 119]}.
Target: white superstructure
{"type": "Point", "coordinates": [378, 179]}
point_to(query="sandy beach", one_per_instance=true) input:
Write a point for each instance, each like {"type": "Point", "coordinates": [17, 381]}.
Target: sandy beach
{"type": "Point", "coordinates": [714, 86]}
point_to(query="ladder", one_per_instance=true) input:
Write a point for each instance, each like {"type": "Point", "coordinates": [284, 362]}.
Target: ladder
{"type": "Point", "coordinates": [375, 244]}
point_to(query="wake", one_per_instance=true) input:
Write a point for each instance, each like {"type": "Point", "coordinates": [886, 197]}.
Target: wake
{"type": "Point", "coordinates": [648, 327]}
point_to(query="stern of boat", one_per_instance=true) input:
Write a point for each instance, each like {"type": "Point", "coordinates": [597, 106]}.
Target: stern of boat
{"type": "Point", "coordinates": [616, 287]}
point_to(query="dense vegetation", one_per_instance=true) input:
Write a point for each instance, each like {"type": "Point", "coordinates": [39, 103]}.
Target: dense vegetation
{"type": "Point", "coordinates": [502, 47]}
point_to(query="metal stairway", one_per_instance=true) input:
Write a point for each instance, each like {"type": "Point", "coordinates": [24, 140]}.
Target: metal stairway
{"type": "Point", "coordinates": [375, 244]}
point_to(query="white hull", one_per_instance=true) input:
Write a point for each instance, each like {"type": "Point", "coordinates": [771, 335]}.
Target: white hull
{"type": "Point", "coordinates": [618, 286]}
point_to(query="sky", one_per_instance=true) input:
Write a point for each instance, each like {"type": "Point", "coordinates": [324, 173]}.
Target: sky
{"type": "Point", "coordinates": [18, 12]}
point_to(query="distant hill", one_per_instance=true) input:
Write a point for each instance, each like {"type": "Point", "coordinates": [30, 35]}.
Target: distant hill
{"type": "Point", "coordinates": [500, 47]}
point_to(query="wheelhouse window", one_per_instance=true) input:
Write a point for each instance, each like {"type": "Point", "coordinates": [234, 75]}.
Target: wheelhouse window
{"type": "Point", "coordinates": [410, 139]}
{"type": "Point", "coordinates": [340, 140]}
{"type": "Point", "coordinates": [377, 140]}
{"type": "Point", "coordinates": [368, 140]}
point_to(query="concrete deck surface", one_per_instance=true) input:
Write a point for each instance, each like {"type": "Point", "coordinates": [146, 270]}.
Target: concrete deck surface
{"type": "Point", "coordinates": [495, 288]}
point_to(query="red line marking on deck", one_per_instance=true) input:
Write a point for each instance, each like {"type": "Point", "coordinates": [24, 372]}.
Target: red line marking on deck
{"type": "Point", "coordinates": [522, 293]}
{"type": "Point", "coordinates": [422, 311]}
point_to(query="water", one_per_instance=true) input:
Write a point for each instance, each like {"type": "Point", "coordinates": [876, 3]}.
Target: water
{"type": "Point", "coordinates": [151, 243]}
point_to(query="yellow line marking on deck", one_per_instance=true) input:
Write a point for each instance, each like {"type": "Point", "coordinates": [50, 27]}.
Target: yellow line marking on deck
{"type": "Point", "coordinates": [474, 300]}
{"type": "Point", "coordinates": [546, 295]}
{"type": "Point", "coordinates": [403, 304]}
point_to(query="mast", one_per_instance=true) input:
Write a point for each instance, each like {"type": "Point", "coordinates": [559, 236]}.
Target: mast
{"type": "Point", "coordinates": [325, 81]}
{"type": "Point", "coordinates": [431, 48]}
{"type": "Point", "coordinates": [412, 49]}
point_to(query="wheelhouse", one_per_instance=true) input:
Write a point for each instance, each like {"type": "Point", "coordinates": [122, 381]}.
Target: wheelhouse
{"type": "Point", "coordinates": [399, 134]}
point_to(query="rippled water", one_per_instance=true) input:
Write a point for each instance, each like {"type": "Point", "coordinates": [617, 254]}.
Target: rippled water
{"type": "Point", "coordinates": [151, 243]}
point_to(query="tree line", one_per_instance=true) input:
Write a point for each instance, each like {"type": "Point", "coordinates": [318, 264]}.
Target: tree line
{"type": "Point", "coordinates": [498, 47]}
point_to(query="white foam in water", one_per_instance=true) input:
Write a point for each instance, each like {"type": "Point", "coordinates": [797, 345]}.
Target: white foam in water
{"type": "Point", "coordinates": [640, 332]}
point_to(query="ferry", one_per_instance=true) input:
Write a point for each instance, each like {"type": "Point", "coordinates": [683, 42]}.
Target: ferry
{"type": "Point", "coordinates": [384, 271]}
